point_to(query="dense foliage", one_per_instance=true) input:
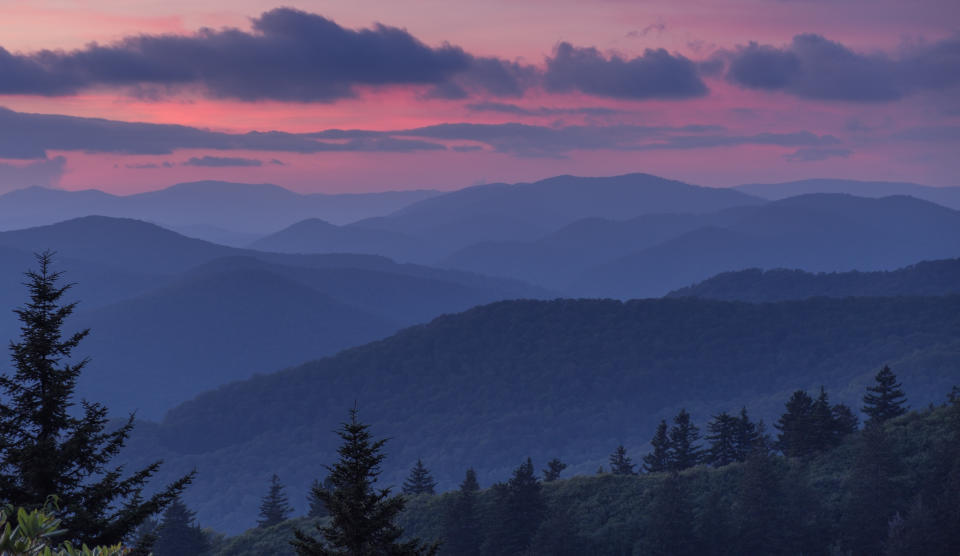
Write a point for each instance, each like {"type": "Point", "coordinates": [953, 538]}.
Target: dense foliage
{"type": "Point", "coordinates": [756, 285]}
{"type": "Point", "coordinates": [567, 379]}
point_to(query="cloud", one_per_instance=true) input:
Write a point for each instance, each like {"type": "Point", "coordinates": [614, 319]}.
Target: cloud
{"type": "Point", "coordinates": [936, 134]}
{"type": "Point", "coordinates": [816, 154]}
{"type": "Point", "coordinates": [148, 165]}
{"type": "Point", "coordinates": [29, 136]}
{"type": "Point", "coordinates": [655, 74]}
{"type": "Point", "coordinates": [505, 108]}
{"type": "Point", "coordinates": [816, 68]}
{"type": "Point", "coordinates": [657, 28]}
{"type": "Point", "coordinates": [288, 55]}
{"type": "Point", "coordinates": [222, 161]}
{"type": "Point", "coordinates": [44, 173]}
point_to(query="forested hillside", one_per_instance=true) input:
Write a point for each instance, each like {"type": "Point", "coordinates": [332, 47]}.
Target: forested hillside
{"type": "Point", "coordinates": [564, 378]}
{"type": "Point", "coordinates": [757, 285]}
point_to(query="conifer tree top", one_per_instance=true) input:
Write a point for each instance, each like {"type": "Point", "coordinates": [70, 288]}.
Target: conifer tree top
{"type": "Point", "coordinates": [885, 399]}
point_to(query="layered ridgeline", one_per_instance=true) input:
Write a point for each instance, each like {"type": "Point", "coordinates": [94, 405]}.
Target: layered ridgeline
{"type": "Point", "coordinates": [651, 255]}
{"type": "Point", "coordinates": [565, 378]}
{"type": "Point", "coordinates": [756, 285]}
{"type": "Point", "coordinates": [432, 229]}
{"type": "Point", "coordinates": [173, 316]}
{"type": "Point", "coordinates": [946, 196]}
{"type": "Point", "coordinates": [234, 213]}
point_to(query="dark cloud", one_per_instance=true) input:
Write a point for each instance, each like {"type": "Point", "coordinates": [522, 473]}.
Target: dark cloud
{"type": "Point", "coordinates": [467, 148]}
{"type": "Point", "coordinates": [222, 161]}
{"type": "Point", "coordinates": [289, 55]}
{"type": "Point", "coordinates": [653, 28]}
{"type": "Point", "coordinates": [505, 108]}
{"type": "Point", "coordinates": [937, 134]}
{"type": "Point", "coordinates": [30, 136]}
{"type": "Point", "coordinates": [816, 68]}
{"type": "Point", "coordinates": [655, 74]}
{"type": "Point", "coordinates": [44, 173]}
{"type": "Point", "coordinates": [816, 154]}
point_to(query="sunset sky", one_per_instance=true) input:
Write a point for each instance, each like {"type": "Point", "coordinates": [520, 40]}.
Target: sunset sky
{"type": "Point", "coordinates": [371, 95]}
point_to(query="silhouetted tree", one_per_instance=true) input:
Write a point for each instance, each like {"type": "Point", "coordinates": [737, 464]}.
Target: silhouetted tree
{"type": "Point", "coordinates": [872, 492]}
{"type": "Point", "coordinates": [620, 462]}
{"type": "Point", "coordinates": [520, 508]}
{"type": "Point", "coordinates": [760, 502]}
{"type": "Point", "coordinates": [316, 506]}
{"type": "Point", "coordinates": [795, 426]}
{"type": "Point", "coordinates": [47, 449]}
{"type": "Point", "coordinates": [748, 437]}
{"type": "Point", "coordinates": [274, 508]}
{"type": "Point", "coordinates": [179, 534]}
{"type": "Point", "coordinates": [419, 482]}
{"type": "Point", "coordinates": [722, 433]}
{"type": "Point", "coordinates": [684, 450]}
{"type": "Point", "coordinates": [461, 522]}
{"type": "Point", "coordinates": [362, 518]}
{"type": "Point", "coordinates": [885, 400]}
{"type": "Point", "coordinates": [554, 468]}
{"type": "Point", "coordinates": [659, 459]}
{"type": "Point", "coordinates": [670, 526]}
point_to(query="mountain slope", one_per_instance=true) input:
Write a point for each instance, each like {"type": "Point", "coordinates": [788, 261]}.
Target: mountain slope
{"type": "Point", "coordinates": [755, 285]}
{"type": "Point", "coordinates": [568, 379]}
{"type": "Point", "coordinates": [527, 211]}
{"type": "Point", "coordinates": [946, 196]}
{"type": "Point", "coordinates": [318, 236]}
{"type": "Point", "coordinates": [821, 233]}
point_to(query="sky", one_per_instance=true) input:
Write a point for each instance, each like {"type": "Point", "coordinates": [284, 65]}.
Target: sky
{"type": "Point", "coordinates": [371, 95]}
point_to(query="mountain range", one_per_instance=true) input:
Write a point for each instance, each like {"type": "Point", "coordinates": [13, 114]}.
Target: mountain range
{"type": "Point", "coordinates": [946, 196]}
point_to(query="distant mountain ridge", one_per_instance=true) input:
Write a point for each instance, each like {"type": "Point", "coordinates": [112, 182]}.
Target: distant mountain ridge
{"type": "Point", "coordinates": [946, 196]}
{"type": "Point", "coordinates": [237, 209]}
{"type": "Point", "coordinates": [755, 285]}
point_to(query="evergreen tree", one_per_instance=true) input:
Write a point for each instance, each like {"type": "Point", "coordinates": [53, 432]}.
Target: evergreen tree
{"type": "Point", "coordinates": [362, 518]}
{"type": "Point", "coordinates": [886, 399]}
{"type": "Point", "coordinates": [179, 534]}
{"type": "Point", "coordinates": [520, 508]}
{"type": "Point", "coordinates": [723, 432]}
{"type": "Point", "coordinates": [274, 508]}
{"type": "Point", "coordinates": [795, 427]}
{"type": "Point", "coordinates": [420, 481]}
{"type": "Point", "coordinates": [823, 430]}
{"type": "Point", "coordinates": [658, 460]}
{"type": "Point", "coordinates": [461, 521]}
{"type": "Point", "coordinates": [554, 468]}
{"type": "Point", "coordinates": [46, 448]}
{"type": "Point", "coordinates": [685, 452]}
{"type": "Point", "coordinates": [845, 422]}
{"type": "Point", "coordinates": [748, 437]}
{"type": "Point", "coordinates": [760, 503]}
{"type": "Point", "coordinates": [620, 462]}
{"type": "Point", "coordinates": [872, 491]}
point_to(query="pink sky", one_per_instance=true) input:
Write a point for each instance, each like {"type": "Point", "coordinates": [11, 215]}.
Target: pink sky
{"type": "Point", "coordinates": [886, 140]}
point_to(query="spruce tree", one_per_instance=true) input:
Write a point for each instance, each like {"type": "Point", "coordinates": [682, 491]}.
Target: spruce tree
{"type": "Point", "coordinates": [658, 460]}
{"type": "Point", "coordinates": [519, 510]}
{"type": "Point", "coordinates": [795, 426]}
{"type": "Point", "coordinates": [362, 517]}
{"type": "Point", "coordinates": [48, 448]}
{"type": "Point", "coordinates": [760, 506]}
{"type": "Point", "coordinates": [722, 433]}
{"type": "Point", "coordinates": [316, 506]}
{"type": "Point", "coordinates": [420, 481]}
{"type": "Point", "coordinates": [886, 399]}
{"type": "Point", "coordinates": [274, 508]}
{"type": "Point", "coordinates": [620, 462]}
{"type": "Point", "coordinates": [873, 492]}
{"type": "Point", "coordinates": [748, 437]}
{"type": "Point", "coordinates": [178, 533]}
{"type": "Point", "coordinates": [554, 468]}
{"type": "Point", "coordinates": [670, 525]}
{"type": "Point", "coordinates": [461, 520]}
{"type": "Point", "coordinates": [684, 450]}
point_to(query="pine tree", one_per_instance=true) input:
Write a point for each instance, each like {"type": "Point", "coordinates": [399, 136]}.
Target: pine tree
{"type": "Point", "coordinates": [723, 434]}
{"type": "Point", "coordinates": [658, 460]}
{"type": "Point", "coordinates": [362, 518]}
{"type": "Point", "coordinates": [274, 508]}
{"type": "Point", "coordinates": [795, 427]}
{"type": "Point", "coordinates": [461, 520]}
{"type": "Point", "coordinates": [670, 528]}
{"type": "Point", "coordinates": [420, 481]}
{"type": "Point", "coordinates": [685, 452]}
{"type": "Point", "coordinates": [823, 430]}
{"type": "Point", "coordinates": [845, 422]}
{"type": "Point", "coordinates": [519, 510]}
{"type": "Point", "coordinates": [760, 503]}
{"type": "Point", "coordinates": [178, 533]}
{"type": "Point", "coordinates": [620, 462]}
{"type": "Point", "coordinates": [886, 399]}
{"type": "Point", "coordinates": [554, 468]}
{"type": "Point", "coordinates": [46, 448]}
{"type": "Point", "coordinates": [872, 492]}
